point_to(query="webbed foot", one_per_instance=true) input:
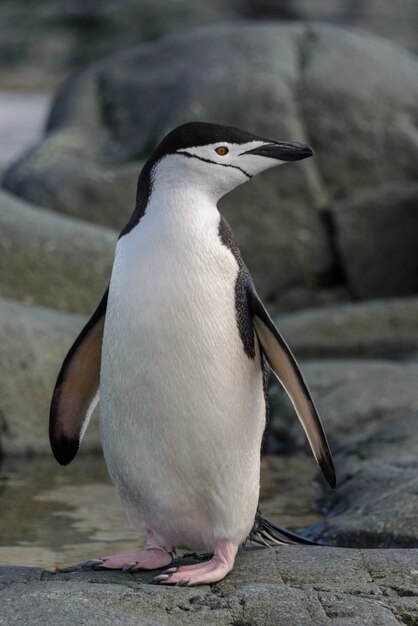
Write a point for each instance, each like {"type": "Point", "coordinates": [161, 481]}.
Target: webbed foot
{"type": "Point", "coordinates": [204, 573]}
{"type": "Point", "coordinates": [150, 558]}
{"type": "Point", "coordinates": [153, 556]}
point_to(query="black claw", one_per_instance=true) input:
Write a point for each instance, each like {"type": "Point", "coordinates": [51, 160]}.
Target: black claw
{"type": "Point", "coordinates": [129, 567]}
{"type": "Point", "coordinates": [70, 568]}
{"type": "Point", "coordinates": [86, 565]}
{"type": "Point", "coordinates": [183, 582]}
{"type": "Point", "coordinates": [170, 570]}
{"type": "Point", "coordinates": [91, 564]}
{"type": "Point", "coordinates": [160, 577]}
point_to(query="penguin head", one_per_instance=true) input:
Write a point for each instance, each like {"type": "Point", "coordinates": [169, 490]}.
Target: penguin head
{"type": "Point", "coordinates": [215, 159]}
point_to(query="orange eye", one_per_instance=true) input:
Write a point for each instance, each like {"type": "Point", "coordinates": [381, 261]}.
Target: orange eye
{"type": "Point", "coordinates": [222, 150]}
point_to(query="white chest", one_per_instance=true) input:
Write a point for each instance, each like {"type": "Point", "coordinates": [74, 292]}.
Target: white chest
{"type": "Point", "coordinates": [182, 405]}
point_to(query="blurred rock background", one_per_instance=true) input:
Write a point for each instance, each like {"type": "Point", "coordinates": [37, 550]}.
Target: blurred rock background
{"type": "Point", "coordinates": [43, 43]}
{"type": "Point", "coordinates": [331, 242]}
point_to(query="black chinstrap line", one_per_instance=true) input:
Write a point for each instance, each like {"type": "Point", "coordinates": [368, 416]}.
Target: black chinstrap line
{"type": "Point", "coordinates": [235, 167]}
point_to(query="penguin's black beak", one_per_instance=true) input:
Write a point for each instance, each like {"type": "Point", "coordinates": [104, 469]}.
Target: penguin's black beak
{"type": "Point", "coordinates": [283, 151]}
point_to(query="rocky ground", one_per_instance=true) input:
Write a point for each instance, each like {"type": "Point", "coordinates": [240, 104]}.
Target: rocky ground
{"type": "Point", "coordinates": [301, 586]}
{"type": "Point", "coordinates": [374, 506]}
{"type": "Point", "coordinates": [320, 246]}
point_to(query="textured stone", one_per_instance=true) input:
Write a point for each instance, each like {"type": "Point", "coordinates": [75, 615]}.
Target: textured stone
{"type": "Point", "coordinates": [353, 398]}
{"type": "Point", "coordinates": [302, 586]}
{"type": "Point", "coordinates": [278, 82]}
{"type": "Point", "coordinates": [356, 397]}
{"type": "Point", "coordinates": [397, 22]}
{"type": "Point", "coordinates": [34, 342]}
{"type": "Point", "coordinates": [376, 233]}
{"type": "Point", "coordinates": [376, 328]}
{"type": "Point", "coordinates": [39, 47]}
{"type": "Point", "coordinates": [102, 135]}
{"type": "Point", "coordinates": [376, 500]}
{"type": "Point", "coordinates": [52, 260]}
{"type": "Point", "coordinates": [371, 135]}
{"type": "Point", "coordinates": [103, 194]}
{"type": "Point", "coordinates": [108, 118]}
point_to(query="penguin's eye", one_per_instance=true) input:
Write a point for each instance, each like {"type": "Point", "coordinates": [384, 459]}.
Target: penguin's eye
{"type": "Point", "coordinates": [222, 150]}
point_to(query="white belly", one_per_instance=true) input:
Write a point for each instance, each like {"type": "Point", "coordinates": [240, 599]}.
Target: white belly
{"type": "Point", "coordinates": [182, 406]}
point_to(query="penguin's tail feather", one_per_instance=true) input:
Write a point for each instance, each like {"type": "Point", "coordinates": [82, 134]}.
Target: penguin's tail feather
{"type": "Point", "coordinates": [270, 534]}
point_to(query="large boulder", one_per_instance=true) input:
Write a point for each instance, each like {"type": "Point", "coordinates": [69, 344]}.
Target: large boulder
{"type": "Point", "coordinates": [376, 234]}
{"type": "Point", "coordinates": [34, 342]}
{"type": "Point", "coordinates": [290, 81]}
{"type": "Point", "coordinates": [53, 260]}
{"type": "Point", "coordinates": [37, 47]}
{"type": "Point", "coordinates": [396, 21]}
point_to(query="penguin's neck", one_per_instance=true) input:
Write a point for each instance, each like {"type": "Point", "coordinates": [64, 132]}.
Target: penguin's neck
{"type": "Point", "coordinates": [171, 244]}
{"type": "Point", "coordinates": [181, 208]}
{"type": "Point", "coordinates": [176, 205]}
{"type": "Point", "coordinates": [175, 243]}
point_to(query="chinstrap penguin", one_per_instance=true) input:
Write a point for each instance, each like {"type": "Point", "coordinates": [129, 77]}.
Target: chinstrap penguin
{"type": "Point", "coordinates": [178, 346]}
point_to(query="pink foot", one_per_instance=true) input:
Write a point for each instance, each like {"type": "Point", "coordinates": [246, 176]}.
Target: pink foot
{"type": "Point", "coordinates": [205, 573]}
{"type": "Point", "coordinates": [153, 557]}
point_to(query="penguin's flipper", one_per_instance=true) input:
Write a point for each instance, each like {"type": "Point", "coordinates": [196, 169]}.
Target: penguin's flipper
{"type": "Point", "coordinates": [283, 364]}
{"type": "Point", "coordinates": [76, 392]}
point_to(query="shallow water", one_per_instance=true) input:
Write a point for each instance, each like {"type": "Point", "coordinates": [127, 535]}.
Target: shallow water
{"type": "Point", "coordinates": [52, 515]}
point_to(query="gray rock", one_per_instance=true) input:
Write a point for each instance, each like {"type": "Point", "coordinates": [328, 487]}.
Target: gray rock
{"type": "Point", "coordinates": [376, 233]}
{"type": "Point", "coordinates": [100, 193]}
{"type": "Point", "coordinates": [376, 328]}
{"type": "Point", "coordinates": [287, 237]}
{"type": "Point", "coordinates": [302, 586]}
{"type": "Point", "coordinates": [52, 260]}
{"type": "Point", "coordinates": [97, 136]}
{"type": "Point", "coordinates": [356, 397]}
{"type": "Point", "coordinates": [42, 46]}
{"type": "Point", "coordinates": [370, 137]}
{"type": "Point", "coordinates": [353, 398]}
{"type": "Point", "coordinates": [37, 48]}
{"type": "Point", "coordinates": [395, 22]}
{"type": "Point", "coordinates": [298, 298]}
{"type": "Point", "coordinates": [18, 574]}
{"type": "Point", "coordinates": [375, 504]}
{"type": "Point", "coordinates": [34, 342]}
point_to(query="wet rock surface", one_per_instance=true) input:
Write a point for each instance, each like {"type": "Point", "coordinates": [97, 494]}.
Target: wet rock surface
{"type": "Point", "coordinates": [290, 585]}
{"type": "Point", "coordinates": [376, 501]}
